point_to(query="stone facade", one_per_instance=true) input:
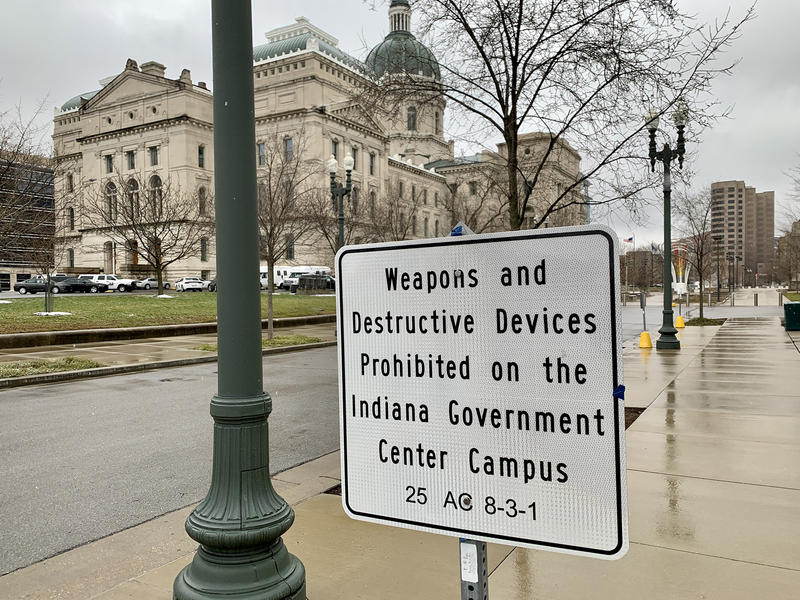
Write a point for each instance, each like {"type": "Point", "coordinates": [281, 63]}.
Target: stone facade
{"type": "Point", "coordinates": [304, 90]}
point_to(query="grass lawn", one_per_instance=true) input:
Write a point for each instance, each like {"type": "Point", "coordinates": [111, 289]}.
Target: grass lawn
{"type": "Point", "coordinates": [26, 368]}
{"type": "Point", "coordinates": [698, 322]}
{"type": "Point", "coordinates": [137, 310]}
{"type": "Point", "coordinates": [793, 296]}
{"type": "Point", "coordinates": [276, 342]}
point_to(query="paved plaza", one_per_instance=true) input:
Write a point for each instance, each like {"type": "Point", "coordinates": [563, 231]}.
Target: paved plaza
{"type": "Point", "coordinates": [713, 488]}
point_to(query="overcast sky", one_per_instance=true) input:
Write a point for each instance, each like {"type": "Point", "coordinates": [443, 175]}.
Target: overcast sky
{"type": "Point", "coordinates": [56, 49]}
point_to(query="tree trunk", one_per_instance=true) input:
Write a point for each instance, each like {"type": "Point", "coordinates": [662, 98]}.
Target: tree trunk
{"type": "Point", "coordinates": [515, 219]}
{"type": "Point", "coordinates": [48, 295]}
{"type": "Point", "coordinates": [270, 267]}
{"type": "Point", "coordinates": [160, 276]}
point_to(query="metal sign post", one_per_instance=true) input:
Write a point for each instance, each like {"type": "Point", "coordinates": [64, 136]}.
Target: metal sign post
{"type": "Point", "coordinates": [643, 305]}
{"type": "Point", "coordinates": [481, 390]}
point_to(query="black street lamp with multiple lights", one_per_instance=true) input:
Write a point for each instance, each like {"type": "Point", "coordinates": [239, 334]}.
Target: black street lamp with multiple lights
{"type": "Point", "coordinates": [668, 339]}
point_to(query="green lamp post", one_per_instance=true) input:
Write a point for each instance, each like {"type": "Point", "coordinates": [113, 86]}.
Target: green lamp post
{"type": "Point", "coordinates": [240, 522]}
{"type": "Point", "coordinates": [339, 191]}
{"type": "Point", "coordinates": [668, 339]}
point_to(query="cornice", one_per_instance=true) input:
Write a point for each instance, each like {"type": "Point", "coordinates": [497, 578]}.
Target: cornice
{"type": "Point", "coordinates": [171, 122]}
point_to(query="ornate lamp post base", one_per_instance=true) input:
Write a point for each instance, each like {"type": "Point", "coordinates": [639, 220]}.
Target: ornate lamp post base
{"type": "Point", "coordinates": [259, 574]}
{"type": "Point", "coordinates": [668, 339]}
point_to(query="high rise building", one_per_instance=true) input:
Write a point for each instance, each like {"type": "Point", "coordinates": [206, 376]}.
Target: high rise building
{"type": "Point", "coordinates": [745, 219]}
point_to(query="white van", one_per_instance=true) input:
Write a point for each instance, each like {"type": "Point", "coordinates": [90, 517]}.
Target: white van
{"type": "Point", "coordinates": [279, 273]}
{"type": "Point", "coordinates": [293, 278]}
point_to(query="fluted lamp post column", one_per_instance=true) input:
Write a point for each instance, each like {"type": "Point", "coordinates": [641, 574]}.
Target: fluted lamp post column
{"type": "Point", "coordinates": [668, 339]}
{"type": "Point", "coordinates": [339, 191]}
{"type": "Point", "coordinates": [240, 522]}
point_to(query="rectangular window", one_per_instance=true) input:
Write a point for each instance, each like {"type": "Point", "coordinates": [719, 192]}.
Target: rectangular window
{"type": "Point", "coordinates": [473, 188]}
{"type": "Point", "coordinates": [262, 153]}
{"type": "Point", "coordinates": [372, 164]}
{"type": "Point", "coordinates": [109, 163]}
{"type": "Point", "coordinates": [70, 183]}
{"type": "Point", "coordinates": [436, 200]}
{"type": "Point", "coordinates": [201, 156]}
{"type": "Point", "coordinates": [401, 189]}
{"type": "Point", "coordinates": [203, 250]}
{"type": "Point", "coordinates": [130, 159]}
{"type": "Point", "coordinates": [289, 247]}
{"type": "Point", "coordinates": [425, 200]}
{"type": "Point", "coordinates": [413, 193]}
{"type": "Point", "coordinates": [288, 148]}
{"type": "Point", "coordinates": [335, 149]}
{"type": "Point", "coordinates": [154, 156]}
{"type": "Point", "coordinates": [354, 150]}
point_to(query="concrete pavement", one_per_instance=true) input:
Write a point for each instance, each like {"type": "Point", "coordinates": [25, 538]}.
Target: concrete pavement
{"type": "Point", "coordinates": [713, 487]}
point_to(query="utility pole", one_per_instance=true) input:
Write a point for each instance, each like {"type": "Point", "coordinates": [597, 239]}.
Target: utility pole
{"type": "Point", "coordinates": [240, 522]}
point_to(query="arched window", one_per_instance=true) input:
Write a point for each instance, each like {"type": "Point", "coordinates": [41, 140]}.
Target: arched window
{"type": "Point", "coordinates": [436, 228]}
{"type": "Point", "coordinates": [132, 198]}
{"type": "Point", "coordinates": [425, 227]}
{"type": "Point", "coordinates": [71, 218]}
{"type": "Point", "coordinates": [411, 117]}
{"type": "Point", "coordinates": [111, 202]}
{"type": "Point", "coordinates": [71, 257]}
{"type": "Point", "coordinates": [156, 195]}
{"type": "Point", "coordinates": [201, 201]}
{"type": "Point", "coordinates": [372, 203]}
{"type": "Point", "coordinates": [354, 200]}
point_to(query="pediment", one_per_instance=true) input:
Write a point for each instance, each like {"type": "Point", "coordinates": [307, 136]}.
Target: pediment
{"type": "Point", "coordinates": [356, 113]}
{"type": "Point", "coordinates": [128, 85]}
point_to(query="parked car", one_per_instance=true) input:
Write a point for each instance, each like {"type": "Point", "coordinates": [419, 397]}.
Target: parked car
{"type": "Point", "coordinates": [118, 284]}
{"type": "Point", "coordinates": [151, 282]}
{"type": "Point", "coordinates": [190, 284]}
{"type": "Point", "coordinates": [76, 284]}
{"type": "Point", "coordinates": [35, 284]}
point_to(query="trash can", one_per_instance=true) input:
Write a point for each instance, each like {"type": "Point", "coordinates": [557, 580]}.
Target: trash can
{"type": "Point", "coordinates": [791, 311]}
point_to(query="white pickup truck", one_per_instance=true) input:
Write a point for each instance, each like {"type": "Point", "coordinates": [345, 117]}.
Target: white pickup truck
{"type": "Point", "coordinates": [118, 284]}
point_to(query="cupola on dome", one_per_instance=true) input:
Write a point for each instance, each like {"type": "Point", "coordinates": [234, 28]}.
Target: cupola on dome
{"type": "Point", "coordinates": [400, 51]}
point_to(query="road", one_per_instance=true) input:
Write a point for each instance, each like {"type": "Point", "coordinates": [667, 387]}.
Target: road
{"type": "Point", "coordinates": [84, 459]}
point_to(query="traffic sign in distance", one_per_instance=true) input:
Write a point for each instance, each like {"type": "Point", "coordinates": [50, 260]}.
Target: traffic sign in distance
{"type": "Point", "coordinates": [479, 382]}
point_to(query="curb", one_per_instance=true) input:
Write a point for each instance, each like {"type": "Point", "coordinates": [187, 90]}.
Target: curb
{"type": "Point", "coordinates": [135, 368]}
{"type": "Point", "coordinates": [81, 336]}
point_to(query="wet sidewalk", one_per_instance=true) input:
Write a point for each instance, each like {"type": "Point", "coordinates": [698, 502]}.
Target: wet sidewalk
{"type": "Point", "coordinates": [713, 496]}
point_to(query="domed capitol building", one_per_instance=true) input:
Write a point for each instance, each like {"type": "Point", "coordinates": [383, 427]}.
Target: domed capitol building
{"type": "Point", "coordinates": [140, 130]}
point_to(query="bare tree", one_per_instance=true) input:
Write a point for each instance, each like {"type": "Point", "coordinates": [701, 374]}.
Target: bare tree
{"type": "Point", "coordinates": [152, 218]}
{"type": "Point", "coordinates": [27, 218]}
{"type": "Point", "coordinates": [393, 216]}
{"type": "Point", "coordinates": [323, 214]}
{"type": "Point", "coordinates": [576, 70]}
{"type": "Point", "coordinates": [286, 191]}
{"type": "Point", "coordinates": [788, 258]}
{"type": "Point", "coordinates": [477, 199]}
{"type": "Point", "coordinates": [693, 222]}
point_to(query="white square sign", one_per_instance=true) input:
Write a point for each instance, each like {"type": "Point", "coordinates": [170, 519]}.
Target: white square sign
{"type": "Point", "coordinates": [479, 384]}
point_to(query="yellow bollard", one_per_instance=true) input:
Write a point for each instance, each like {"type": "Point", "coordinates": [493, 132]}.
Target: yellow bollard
{"type": "Point", "coordinates": [644, 340]}
{"type": "Point", "coordinates": [679, 322]}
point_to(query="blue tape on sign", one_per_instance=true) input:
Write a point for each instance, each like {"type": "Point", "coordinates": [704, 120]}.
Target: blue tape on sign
{"type": "Point", "coordinates": [456, 231]}
{"type": "Point", "coordinates": [619, 392]}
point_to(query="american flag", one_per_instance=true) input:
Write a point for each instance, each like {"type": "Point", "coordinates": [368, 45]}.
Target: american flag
{"type": "Point", "coordinates": [628, 240]}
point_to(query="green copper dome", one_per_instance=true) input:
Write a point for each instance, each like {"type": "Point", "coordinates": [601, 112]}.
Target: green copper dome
{"type": "Point", "coordinates": [401, 52]}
